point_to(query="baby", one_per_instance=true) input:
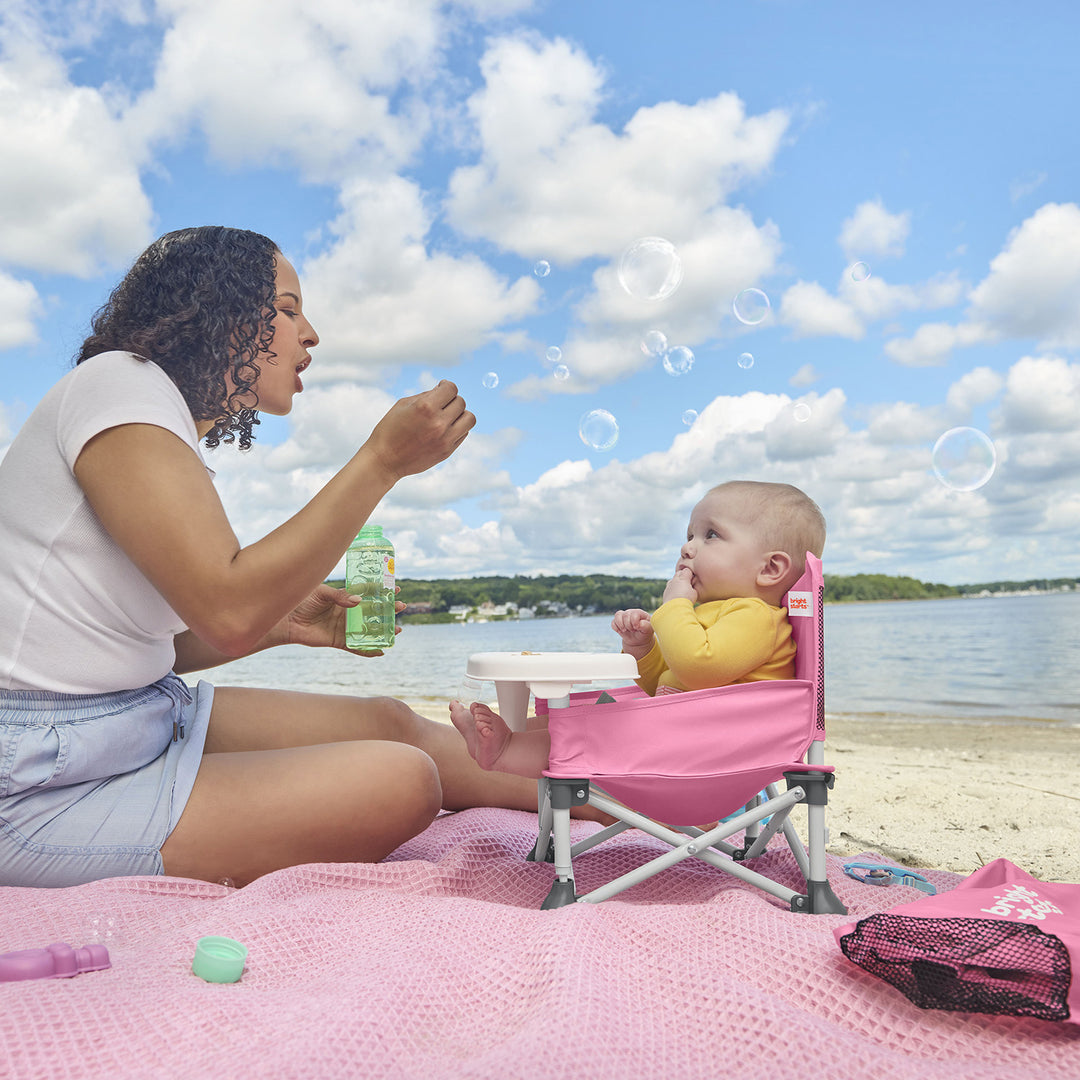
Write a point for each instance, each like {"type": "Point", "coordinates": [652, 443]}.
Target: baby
{"type": "Point", "coordinates": [720, 621]}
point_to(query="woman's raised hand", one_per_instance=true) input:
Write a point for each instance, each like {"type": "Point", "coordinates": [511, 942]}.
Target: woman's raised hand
{"type": "Point", "coordinates": [420, 431]}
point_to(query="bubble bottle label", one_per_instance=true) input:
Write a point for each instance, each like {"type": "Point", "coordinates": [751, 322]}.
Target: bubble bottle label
{"type": "Point", "coordinates": [369, 574]}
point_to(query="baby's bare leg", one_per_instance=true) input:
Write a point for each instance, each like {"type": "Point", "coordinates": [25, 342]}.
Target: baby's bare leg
{"type": "Point", "coordinates": [494, 746]}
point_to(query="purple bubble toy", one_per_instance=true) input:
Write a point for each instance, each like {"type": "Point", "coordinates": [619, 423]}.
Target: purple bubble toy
{"type": "Point", "coordinates": [59, 961]}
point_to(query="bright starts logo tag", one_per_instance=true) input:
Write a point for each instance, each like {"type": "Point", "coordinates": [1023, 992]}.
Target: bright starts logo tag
{"type": "Point", "coordinates": [800, 603]}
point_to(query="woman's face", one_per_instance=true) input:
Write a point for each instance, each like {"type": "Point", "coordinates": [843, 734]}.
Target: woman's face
{"type": "Point", "coordinates": [290, 348]}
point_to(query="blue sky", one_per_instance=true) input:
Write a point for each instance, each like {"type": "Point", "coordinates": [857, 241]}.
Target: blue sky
{"type": "Point", "coordinates": [415, 160]}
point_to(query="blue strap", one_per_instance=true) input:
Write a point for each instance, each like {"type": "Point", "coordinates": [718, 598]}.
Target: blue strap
{"type": "Point", "coordinates": [880, 874]}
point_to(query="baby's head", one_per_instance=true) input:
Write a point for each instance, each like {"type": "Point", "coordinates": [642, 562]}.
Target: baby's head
{"type": "Point", "coordinates": [750, 538]}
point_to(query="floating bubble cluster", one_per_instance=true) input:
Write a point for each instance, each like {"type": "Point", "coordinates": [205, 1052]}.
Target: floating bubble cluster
{"type": "Point", "coordinates": [690, 417]}
{"type": "Point", "coordinates": [654, 343]}
{"type": "Point", "coordinates": [746, 360]}
{"type": "Point", "coordinates": [599, 429]}
{"type": "Point", "coordinates": [554, 354]}
{"type": "Point", "coordinates": [964, 458]}
{"type": "Point", "coordinates": [678, 360]}
{"type": "Point", "coordinates": [750, 306]}
{"type": "Point", "coordinates": [561, 372]}
{"type": "Point", "coordinates": [801, 412]}
{"type": "Point", "coordinates": [859, 271]}
{"type": "Point", "coordinates": [101, 931]}
{"type": "Point", "coordinates": [490, 380]}
{"type": "Point", "coordinates": [650, 269]}
{"type": "Point", "coordinates": [542, 268]}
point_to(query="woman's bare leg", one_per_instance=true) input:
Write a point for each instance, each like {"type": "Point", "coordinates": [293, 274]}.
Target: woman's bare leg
{"type": "Point", "coordinates": [290, 778]}
{"type": "Point", "coordinates": [248, 719]}
{"type": "Point", "coordinates": [253, 812]}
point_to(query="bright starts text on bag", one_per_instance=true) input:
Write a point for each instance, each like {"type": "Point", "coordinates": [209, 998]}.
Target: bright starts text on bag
{"type": "Point", "coordinates": [1010, 901]}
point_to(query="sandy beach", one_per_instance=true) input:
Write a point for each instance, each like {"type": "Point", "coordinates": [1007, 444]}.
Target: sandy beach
{"type": "Point", "coordinates": [950, 796]}
{"type": "Point", "coordinates": [953, 796]}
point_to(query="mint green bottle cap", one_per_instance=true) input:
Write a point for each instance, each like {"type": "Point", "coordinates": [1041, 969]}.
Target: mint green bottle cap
{"type": "Point", "coordinates": [219, 959]}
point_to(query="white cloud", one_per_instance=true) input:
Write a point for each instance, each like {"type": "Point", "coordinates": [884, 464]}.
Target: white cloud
{"type": "Point", "coordinates": [904, 424]}
{"type": "Point", "coordinates": [726, 253]}
{"type": "Point", "coordinates": [1033, 284]}
{"type": "Point", "coordinates": [932, 344]}
{"type": "Point", "coordinates": [74, 204]}
{"type": "Point", "coordinates": [282, 81]}
{"type": "Point", "coordinates": [873, 233]}
{"type": "Point", "coordinates": [554, 183]}
{"type": "Point", "coordinates": [1042, 394]}
{"type": "Point", "coordinates": [1029, 293]}
{"type": "Point", "coordinates": [378, 296]}
{"type": "Point", "coordinates": [806, 376]}
{"type": "Point", "coordinates": [972, 389]}
{"type": "Point", "coordinates": [811, 427]}
{"type": "Point", "coordinates": [22, 306]}
{"type": "Point", "coordinates": [811, 311]}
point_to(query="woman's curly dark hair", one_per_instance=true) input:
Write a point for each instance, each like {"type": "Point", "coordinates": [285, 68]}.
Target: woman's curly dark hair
{"type": "Point", "coordinates": [198, 302]}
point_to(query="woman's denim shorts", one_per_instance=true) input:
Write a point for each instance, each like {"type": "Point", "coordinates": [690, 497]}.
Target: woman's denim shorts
{"type": "Point", "coordinates": [92, 785]}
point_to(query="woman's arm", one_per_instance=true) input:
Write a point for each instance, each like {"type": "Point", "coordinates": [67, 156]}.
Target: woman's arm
{"type": "Point", "coordinates": [318, 621]}
{"type": "Point", "coordinates": [153, 496]}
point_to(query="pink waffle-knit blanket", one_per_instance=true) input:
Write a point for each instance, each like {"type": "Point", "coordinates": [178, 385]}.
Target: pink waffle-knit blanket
{"type": "Point", "coordinates": [438, 964]}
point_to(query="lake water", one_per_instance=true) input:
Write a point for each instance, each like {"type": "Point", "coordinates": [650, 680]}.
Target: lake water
{"type": "Point", "coordinates": [993, 659]}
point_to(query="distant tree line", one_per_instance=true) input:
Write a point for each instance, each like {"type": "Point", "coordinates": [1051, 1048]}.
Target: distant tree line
{"type": "Point", "coordinates": [604, 593]}
{"type": "Point", "coordinates": [882, 587]}
{"type": "Point", "coordinates": [580, 593]}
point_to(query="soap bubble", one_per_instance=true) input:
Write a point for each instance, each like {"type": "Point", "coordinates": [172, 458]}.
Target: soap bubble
{"type": "Point", "coordinates": [859, 271]}
{"type": "Point", "coordinates": [599, 429]}
{"type": "Point", "coordinates": [469, 690]}
{"type": "Point", "coordinates": [650, 269]}
{"type": "Point", "coordinates": [678, 360]}
{"type": "Point", "coordinates": [746, 360]}
{"type": "Point", "coordinates": [561, 372]}
{"type": "Point", "coordinates": [801, 412]}
{"type": "Point", "coordinates": [750, 306]}
{"type": "Point", "coordinates": [554, 354]}
{"type": "Point", "coordinates": [542, 268]}
{"type": "Point", "coordinates": [490, 380]}
{"type": "Point", "coordinates": [964, 459]}
{"type": "Point", "coordinates": [690, 417]}
{"type": "Point", "coordinates": [654, 343]}
{"type": "Point", "coordinates": [227, 882]}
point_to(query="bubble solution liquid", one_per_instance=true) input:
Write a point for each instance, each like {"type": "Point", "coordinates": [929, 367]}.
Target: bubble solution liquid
{"type": "Point", "coordinates": [369, 573]}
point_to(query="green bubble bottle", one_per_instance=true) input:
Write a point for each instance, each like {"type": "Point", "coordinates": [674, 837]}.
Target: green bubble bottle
{"type": "Point", "coordinates": [369, 573]}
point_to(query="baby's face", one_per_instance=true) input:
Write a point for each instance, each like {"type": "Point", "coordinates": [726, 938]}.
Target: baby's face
{"type": "Point", "coordinates": [722, 550]}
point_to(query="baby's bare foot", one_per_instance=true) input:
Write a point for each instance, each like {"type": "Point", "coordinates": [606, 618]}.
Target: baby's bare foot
{"type": "Point", "coordinates": [463, 720]}
{"type": "Point", "coordinates": [492, 736]}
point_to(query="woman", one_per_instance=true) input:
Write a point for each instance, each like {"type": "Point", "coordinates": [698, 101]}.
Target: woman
{"type": "Point", "coordinates": [121, 569]}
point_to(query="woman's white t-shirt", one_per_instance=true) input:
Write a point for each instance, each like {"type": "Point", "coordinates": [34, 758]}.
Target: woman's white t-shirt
{"type": "Point", "coordinates": [76, 615]}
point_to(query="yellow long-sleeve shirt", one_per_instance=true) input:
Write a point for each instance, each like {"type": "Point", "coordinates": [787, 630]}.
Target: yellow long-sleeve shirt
{"type": "Point", "coordinates": [718, 643]}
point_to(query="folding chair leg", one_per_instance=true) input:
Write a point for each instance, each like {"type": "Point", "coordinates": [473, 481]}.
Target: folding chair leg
{"type": "Point", "coordinates": [542, 851]}
{"type": "Point", "coordinates": [562, 794]}
{"type": "Point", "coordinates": [820, 898]}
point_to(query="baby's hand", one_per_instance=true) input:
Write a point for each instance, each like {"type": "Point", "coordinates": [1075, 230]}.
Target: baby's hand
{"type": "Point", "coordinates": [680, 586]}
{"type": "Point", "coordinates": [635, 629]}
